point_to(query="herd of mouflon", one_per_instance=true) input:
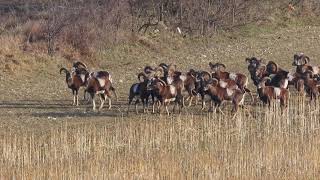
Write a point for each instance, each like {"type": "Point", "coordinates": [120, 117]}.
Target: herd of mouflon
{"type": "Point", "coordinates": [165, 84]}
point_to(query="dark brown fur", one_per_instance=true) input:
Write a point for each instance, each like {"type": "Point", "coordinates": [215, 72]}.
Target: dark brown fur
{"type": "Point", "coordinates": [219, 95]}
{"type": "Point", "coordinates": [74, 82]}
{"type": "Point", "coordinates": [190, 85]}
{"type": "Point", "coordinates": [163, 93]}
{"type": "Point", "coordinates": [94, 87]}
{"type": "Point", "coordinates": [311, 86]}
{"type": "Point", "coordinates": [268, 93]}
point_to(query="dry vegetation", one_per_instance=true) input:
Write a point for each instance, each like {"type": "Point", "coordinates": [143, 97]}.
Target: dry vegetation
{"type": "Point", "coordinates": [260, 144]}
{"type": "Point", "coordinates": [43, 137]}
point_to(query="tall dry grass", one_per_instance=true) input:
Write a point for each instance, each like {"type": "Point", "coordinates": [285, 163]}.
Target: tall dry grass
{"type": "Point", "coordinates": [257, 144]}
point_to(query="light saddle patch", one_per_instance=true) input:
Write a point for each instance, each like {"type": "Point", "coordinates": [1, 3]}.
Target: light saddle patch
{"type": "Point", "coordinates": [183, 77]}
{"type": "Point", "coordinates": [277, 91]}
{"type": "Point", "coordinates": [102, 82]}
{"type": "Point", "coordinates": [290, 76]}
{"type": "Point", "coordinates": [223, 84]}
{"type": "Point", "coordinates": [285, 84]}
{"type": "Point", "coordinates": [233, 76]}
{"type": "Point", "coordinates": [315, 69]}
{"type": "Point", "coordinates": [173, 90]}
{"type": "Point", "coordinates": [169, 80]}
{"type": "Point", "coordinates": [135, 88]}
{"type": "Point", "coordinates": [230, 92]}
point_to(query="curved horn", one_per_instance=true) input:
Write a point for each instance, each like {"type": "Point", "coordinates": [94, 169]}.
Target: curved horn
{"type": "Point", "coordinates": [270, 63]}
{"type": "Point", "coordinates": [64, 70]}
{"type": "Point", "coordinates": [76, 64]}
{"type": "Point", "coordinates": [224, 66]}
{"type": "Point", "coordinates": [276, 65]}
{"type": "Point", "coordinates": [164, 83]}
{"type": "Point", "coordinates": [306, 59]}
{"type": "Point", "coordinates": [211, 65]}
{"type": "Point", "coordinates": [141, 75]}
{"type": "Point", "coordinates": [215, 80]}
{"type": "Point", "coordinates": [248, 60]}
{"type": "Point", "coordinates": [159, 71]}
{"type": "Point", "coordinates": [163, 65]}
{"type": "Point", "coordinates": [212, 81]}
{"type": "Point", "coordinates": [205, 73]}
{"type": "Point", "coordinates": [148, 69]}
{"type": "Point", "coordinates": [266, 78]}
{"type": "Point", "coordinates": [192, 73]}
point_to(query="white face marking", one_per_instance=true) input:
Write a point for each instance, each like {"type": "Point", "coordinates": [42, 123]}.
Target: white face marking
{"type": "Point", "coordinates": [102, 82]}
{"type": "Point", "coordinates": [229, 92]}
{"type": "Point", "coordinates": [73, 70]}
{"type": "Point", "coordinates": [223, 84]}
{"type": "Point", "coordinates": [135, 88]}
{"type": "Point", "coordinates": [233, 76]}
{"type": "Point", "coordinates": [82, 76]}
{"type": "Point", "coordinates": [173, 90]}
{"type": "Point", "coordinates": [299, 63]}
{"type": "Point", "coordinates": [277, 91]}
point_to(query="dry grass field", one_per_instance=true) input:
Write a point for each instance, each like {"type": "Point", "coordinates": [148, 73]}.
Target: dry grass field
{"type": "Point", "coordinates": [43, 137]}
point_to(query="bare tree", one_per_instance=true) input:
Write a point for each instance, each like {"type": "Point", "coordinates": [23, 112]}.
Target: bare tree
{"type": "Point", "coordinates": [60, 15]}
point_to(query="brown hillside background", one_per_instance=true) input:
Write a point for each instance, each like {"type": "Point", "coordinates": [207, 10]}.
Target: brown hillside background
{"type": "Point", "coordinates": [42, 136]}
{"type": "Point", "coordinates": [81, 29]}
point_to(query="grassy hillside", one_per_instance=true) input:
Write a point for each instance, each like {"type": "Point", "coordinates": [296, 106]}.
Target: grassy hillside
{"type": "Point", "coordinates": [125, 60]}
{"type": "Point", "coordinates": [43, 136]}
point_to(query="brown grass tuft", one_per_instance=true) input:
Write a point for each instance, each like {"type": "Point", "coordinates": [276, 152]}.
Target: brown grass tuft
{"type": "Point", "coordinates": [35, 31]}
{"type": "Point", "coordinates": [257, 144]}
